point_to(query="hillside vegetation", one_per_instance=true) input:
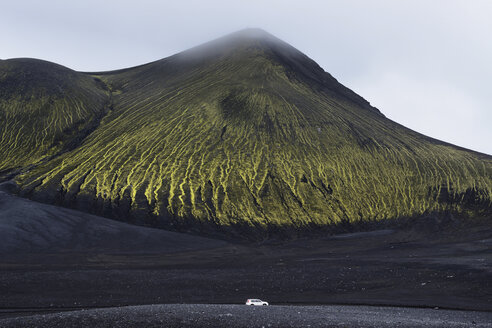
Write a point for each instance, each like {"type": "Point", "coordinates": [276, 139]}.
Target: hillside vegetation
{"type": "Point", "coordinates": [44, 109]}
{"type": "Point", "coordinates": [242, 134]}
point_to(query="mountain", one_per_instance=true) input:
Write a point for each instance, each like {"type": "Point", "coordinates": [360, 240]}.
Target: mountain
{"type": "Point", "coordinates": [244, 135]}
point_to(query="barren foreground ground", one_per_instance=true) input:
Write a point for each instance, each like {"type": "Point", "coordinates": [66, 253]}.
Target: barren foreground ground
{"type": "Point", "coordinates": [430, 263]}
{"type": "Point", "coordinates": [203, 315]}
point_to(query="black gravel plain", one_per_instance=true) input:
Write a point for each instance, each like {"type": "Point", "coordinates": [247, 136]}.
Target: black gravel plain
{"type": "Point", "coordinates": [417, 266]}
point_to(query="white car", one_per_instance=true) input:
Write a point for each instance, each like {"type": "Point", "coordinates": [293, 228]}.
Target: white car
{"type": "Point", "coordinates": [253, 301]}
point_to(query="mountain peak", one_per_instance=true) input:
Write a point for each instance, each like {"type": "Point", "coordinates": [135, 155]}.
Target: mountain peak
{"type": "Point", "coordinates": [245, 38]}
{"type": "Point", "coordinates": [297, 64]}
{"type": "Point", "coordinates": [251, 33]}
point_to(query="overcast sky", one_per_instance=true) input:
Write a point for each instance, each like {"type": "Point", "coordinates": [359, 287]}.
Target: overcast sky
{"type": "Point", "coordinates": [425, 64]}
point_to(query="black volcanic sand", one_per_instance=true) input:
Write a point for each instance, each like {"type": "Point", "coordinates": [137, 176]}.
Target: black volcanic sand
{"type": "Point", "coordinates": [430, 264]}
{"type": "Point", "coordinates": [204, 315]}
{"type": "Point", "coordinates": [35, 228]}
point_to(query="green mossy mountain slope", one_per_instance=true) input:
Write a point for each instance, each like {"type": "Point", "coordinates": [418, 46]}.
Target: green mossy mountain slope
{"type": "Point", "coordinates": [45, 109]}
{"type": "Point", "coordinates": [243, 134]}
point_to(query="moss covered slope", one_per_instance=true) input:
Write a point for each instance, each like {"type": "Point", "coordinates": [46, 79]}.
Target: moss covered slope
{"type": "Point", "coordinates": [45, 109]}
{"type": "Point", "coordinates": [248, 133]}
